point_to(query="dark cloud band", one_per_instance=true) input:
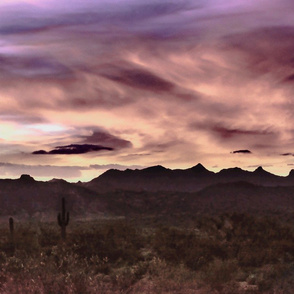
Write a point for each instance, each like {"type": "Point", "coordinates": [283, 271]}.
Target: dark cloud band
{"type": "Point", "coordinates": [74, 149]}
{"type": "Point", "coordinates": [244, 151]}
{"type": "Point", "coordinates": [140, 79]}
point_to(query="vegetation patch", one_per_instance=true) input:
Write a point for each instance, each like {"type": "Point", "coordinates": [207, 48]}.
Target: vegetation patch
{"type": "Point", "coordinates": [227, 253]}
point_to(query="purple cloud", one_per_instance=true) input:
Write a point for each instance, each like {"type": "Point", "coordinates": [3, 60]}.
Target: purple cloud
{"type": "Point", "coordinates": [36, 67]}
{"type": "Point", "coordinates": [104, 138]}
{"type": "Point", "coordinates": [73, 149]}
{"type": "Point", "coordinates": [243, 151]}
{"type": "Point", "coordinates": [141, 79]}
{"type": "Point", "coordinates": [230, 133]}
{"type": "Point", "coordinates": [289, 78]}
{"type": "Point", "coordinates": [266, 50]}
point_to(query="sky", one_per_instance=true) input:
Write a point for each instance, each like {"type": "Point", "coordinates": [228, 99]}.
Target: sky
{"type": "Point", "coordinates": [87, 85]}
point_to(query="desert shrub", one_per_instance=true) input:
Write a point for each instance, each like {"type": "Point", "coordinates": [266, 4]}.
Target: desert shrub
{"type": "Point", "coordinates": [251, 256]}
{"type": "Point", "coordinates": [119, 257]}
{"type": "Point", "coordinates": [257, 241]}
{"type": "Point", "coordinates": [124, 277]}
{"type": "Point", "coordinates": [220, 272]}
{"type": "Point", "coordinates": [178, 246]}
{"type": "Point", "coordinates": [285, 283]}
{"type": "Point", "coordinates": [162, 277]}
{"type": "Point", "coordinates": [99, 265]}
{"type": "Point", "coordinates": [272, 276]}
{"type": "Point", "coordinates": [26, 239]}
{"type": "Point", "coordinates": [14, 265]}
{"type": "Point", "coordinates": [49, 235]}
{"type": "Point", "coordinates": [116, 242]}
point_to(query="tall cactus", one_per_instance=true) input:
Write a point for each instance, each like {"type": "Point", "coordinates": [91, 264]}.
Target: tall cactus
{"type": "Point", "coordinates": [63, 219]}
{"type": "Point", "coordinates": [11, 229]}
{"type": "Point", "coordinates": [11, 239]}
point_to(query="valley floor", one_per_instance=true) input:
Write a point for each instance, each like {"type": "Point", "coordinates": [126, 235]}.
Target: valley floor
{"type": "Point", "coordinates": [227, 253]}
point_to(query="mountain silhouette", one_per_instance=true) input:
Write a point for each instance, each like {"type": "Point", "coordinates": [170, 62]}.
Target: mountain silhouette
{"type": "Point", "coordinates": [158, 178]}
{"type": "Point", "coordinates": [154, 190]}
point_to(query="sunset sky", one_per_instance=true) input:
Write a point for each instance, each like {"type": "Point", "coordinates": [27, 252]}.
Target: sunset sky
{"type": "Point", "coordinates": [90, 85]}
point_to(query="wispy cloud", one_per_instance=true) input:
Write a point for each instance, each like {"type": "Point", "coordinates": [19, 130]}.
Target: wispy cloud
{"type": "Point", "coordinates": [40, 67]}
{"type": "Point", "coordinates": [46, 171]}
{"type": "Point", "coordinates": [141, 79]}
{"type": "Point", "coordinates": [102, 137]}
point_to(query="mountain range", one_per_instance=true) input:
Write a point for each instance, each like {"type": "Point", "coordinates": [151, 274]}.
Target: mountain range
{"type": "Point", "coordinates": [158, 178]}
{"type": "Point", "coordinates": [152, 191]}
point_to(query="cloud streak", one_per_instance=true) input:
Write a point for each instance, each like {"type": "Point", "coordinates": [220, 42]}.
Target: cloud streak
{"type": "Point", "coordinates": [33, 67]}
{"type": "Point", "coordinates": [40, 171]}
{"type": "Point", "coordinates": [141, 79]}
{"type": "Point", "coordinates": [102, 137]}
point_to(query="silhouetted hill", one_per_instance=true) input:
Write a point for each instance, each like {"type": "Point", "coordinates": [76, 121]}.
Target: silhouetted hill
{"type": "Point", "coordinates": [246, 197]}
{"type": "Point", "coordinates": [233, 173]}
{"type": "Point", "coordinates": [25, 196]}
{"type": "Point", "coordinates": [158, 178]}
{"type": "Point", "coordinates": [199, 170]}
{"type": "Point", "coordinates": [239, 197]}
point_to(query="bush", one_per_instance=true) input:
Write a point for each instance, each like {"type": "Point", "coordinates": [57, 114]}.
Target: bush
{"type": "Point", "coordinates": [116, 242]}
{"type": "Point", "coordinates": [178, 246]}
{"type": "Point", "coordinates": [220, 272]}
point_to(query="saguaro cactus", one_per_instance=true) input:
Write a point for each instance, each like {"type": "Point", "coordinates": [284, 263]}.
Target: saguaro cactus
{"type": "Point", "coordinates": [11, 229]}
{"type": "Point", "coordinates": [11, 239]}
{"type": "Point", "coordinates": [63, 219]}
